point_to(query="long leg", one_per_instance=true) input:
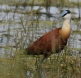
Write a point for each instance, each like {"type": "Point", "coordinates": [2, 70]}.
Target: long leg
{"type": "Point", "coordinates": [46, 55]}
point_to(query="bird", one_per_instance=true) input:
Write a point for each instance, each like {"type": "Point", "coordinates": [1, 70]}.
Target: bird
{"type": "Point", "coordinates": [53, 41]}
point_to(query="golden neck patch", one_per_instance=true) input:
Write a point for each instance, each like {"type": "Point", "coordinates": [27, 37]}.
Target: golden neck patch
{"type": "Point", "coordinates": [65, 30]}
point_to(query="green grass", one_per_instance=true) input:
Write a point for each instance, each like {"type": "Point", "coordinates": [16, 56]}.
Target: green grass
{"type": "Point", "coordinates": [40, 2]}
{"type": "Point", "coordinates": [57, 66]}
{"type": "Point", "coordinates": [62, 65]}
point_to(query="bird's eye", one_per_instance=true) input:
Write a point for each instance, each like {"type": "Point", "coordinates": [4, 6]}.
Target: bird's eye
{"type": "Point", "coordinates": [68, 11]}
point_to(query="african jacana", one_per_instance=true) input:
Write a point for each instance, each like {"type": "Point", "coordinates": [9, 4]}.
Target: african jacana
{"type": "Point", "coordinates": [54, 41]}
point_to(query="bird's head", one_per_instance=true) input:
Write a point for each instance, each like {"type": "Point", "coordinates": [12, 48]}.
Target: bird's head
{"type": "Point", "coordinates": [66, 14]}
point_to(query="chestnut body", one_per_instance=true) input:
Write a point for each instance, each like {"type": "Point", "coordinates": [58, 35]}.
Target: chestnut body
{"type": "Point", "coordinates": [53, 41]}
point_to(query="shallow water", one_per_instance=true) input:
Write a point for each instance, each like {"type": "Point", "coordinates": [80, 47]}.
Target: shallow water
{"type": "Point", "coordinates": [11, 29]}
{"type": "Point", "coordinates": [18, 29]}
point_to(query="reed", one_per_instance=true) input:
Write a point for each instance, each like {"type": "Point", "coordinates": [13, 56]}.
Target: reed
{"type": "Point", "coordinates": [22, 29]}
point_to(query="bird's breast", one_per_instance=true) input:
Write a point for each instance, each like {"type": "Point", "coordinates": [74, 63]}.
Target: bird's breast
{"type": "Point", "coordinates": [65, 33]}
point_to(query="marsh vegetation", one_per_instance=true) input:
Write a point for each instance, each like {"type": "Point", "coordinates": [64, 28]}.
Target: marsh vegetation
{"type": "Point", "coordinates": [24, 21]}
